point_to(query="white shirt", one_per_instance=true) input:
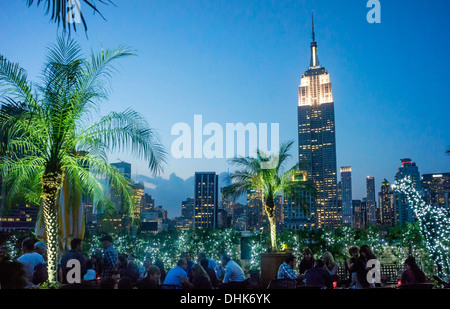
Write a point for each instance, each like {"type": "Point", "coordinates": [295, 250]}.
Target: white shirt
{"type": "Point", "coordinates": [233, 273]}
{"type": "Point", "coordinates": [30, 261]}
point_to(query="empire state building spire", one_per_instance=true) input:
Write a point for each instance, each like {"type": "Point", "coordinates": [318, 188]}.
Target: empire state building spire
{"type": "Point", "coordinates": [314, 56]}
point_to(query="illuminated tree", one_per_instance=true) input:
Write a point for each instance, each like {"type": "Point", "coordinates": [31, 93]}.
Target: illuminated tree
{"type": "Point", "coordinates": [52, 135]}
{"type": "Point", "coordinates": [434, 224]}
{"type": "Point", "coordinates": [265, 174]}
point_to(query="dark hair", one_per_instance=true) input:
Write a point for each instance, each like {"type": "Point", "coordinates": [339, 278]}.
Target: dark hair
{"type": "Point", "coordinates": [319, 263]}
{"type": "Point", "coordinates": [418, 273]}
{"type": "Point", "coordinates": [181, 262]}
{"type": "Point", "coordinates": [89, 264]}
{"type": "Point", "coordinates": [226, 257]}
{"type": "Point", "coordinates": [353, 249]}
{"type": "Point", "coordinates": [289, 258]}
{"type": "Point", "coordinates": [75, 242]}
{"type": "Point", "coordinates": [366, 249]}
{"type": "Point", "coordinates": [28, 244]}
{"type": "Point", "coordinates": [308, 251]}
{"type": "Point", "coordinates": [204, 263]}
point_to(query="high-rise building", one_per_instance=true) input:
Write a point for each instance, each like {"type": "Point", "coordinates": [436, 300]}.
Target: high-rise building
{"type": "Point", "coordinates": [436, 189]}
{"type": "Point", "coordinates": [187, 208]}
{"type": "Point", "coordinates": [404, 212]}
{"type": "Point", "coordinates": [386, 203]}
{"type": "Point", "coordinates": [317, 141]}
{"type": "Point", "coordinates": [124, 168]}
{"type": "Point", "coordinates": [205, 200]}
{"type": "Point", "coordinates": [371, 203]}
{"type": "Point", "coordinates": [255, 212]}
{"type": "Point", "coordinates": [359, 213]}
{"type": "Point", "coordinates": [346, 195]}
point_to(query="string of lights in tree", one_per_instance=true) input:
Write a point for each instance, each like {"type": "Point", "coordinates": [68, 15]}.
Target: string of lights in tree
{"type": "Point", "coordinates": [434, 225]}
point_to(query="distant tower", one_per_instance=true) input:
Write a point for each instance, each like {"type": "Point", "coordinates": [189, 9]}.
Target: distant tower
{"type": "Point", "coordinates": [404, 212]}
{"type": "Point", "coordinates": [205, 200]}
{"type": "Point", "coordinates": [387, 215]}
{"type": "Point", "coordinates": [371, 204]}
{"type": "Point", "coordinates": [346, 195]}
{"type": "Point", "coordinates": [317, 141]}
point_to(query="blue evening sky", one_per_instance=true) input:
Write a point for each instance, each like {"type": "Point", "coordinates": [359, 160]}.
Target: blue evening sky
{"type": "Point", "coordinates": [241, 61]}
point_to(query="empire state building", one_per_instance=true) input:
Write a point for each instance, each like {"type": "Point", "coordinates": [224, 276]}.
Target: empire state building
{"type": "Point", "coordinates": [317, 140]}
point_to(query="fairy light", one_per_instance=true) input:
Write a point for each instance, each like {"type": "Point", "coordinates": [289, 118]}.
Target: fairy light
{"type": "Point", "coordinates": [434, 225]}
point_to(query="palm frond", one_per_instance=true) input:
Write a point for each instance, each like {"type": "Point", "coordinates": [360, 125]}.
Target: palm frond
{"type": "Point", "coordinates": [59, 11]}
{"type": "Point", "coordinates": [126, 130]}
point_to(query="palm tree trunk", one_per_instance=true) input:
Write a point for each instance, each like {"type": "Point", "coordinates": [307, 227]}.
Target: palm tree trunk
{"type": "Point", "coordinates": [51, 183]}
{"type": "Point", "coordinates": [270, 211]}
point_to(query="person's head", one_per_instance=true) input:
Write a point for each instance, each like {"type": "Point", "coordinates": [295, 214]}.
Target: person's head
{"type": "Point", "coordinates": [154, 273]}
{"type": "Point", "coordinates": [147, 261]}
{"type": "Point", "coordinates": [328, 259]}
{"type": "Point", "coordinates": [28, 245]}
{"type": "Point", "coordinates": [75, 244]}
{"type": "Point", "coordinates": [123, 260]}
{"type": "Point", "coordinates": [4, 256]}
{"type": "Point", "coordinates": [106, 241]}
{"type": "Point", "coordinates": [225, 259]}
{"type": "Point", "coordinates": [116, 276]}
{"type": "Point", "coordinates": [204, 263]}
{"type": "Point", "coordinates": [40, 247]}
{"type": "Point", "coordinates": [410, 263]}
{"type": "Point", "coordinates": [199, 272]}
{"type": "Point", "coordinates": [307, 254]}
{"type": "Point", "coordinates": [186, 256]}
{"type": "Point", "coordinates": [182, 263]}
{"type": "Point", "coordinates": [366, 252]}
{"type": "Point", "coordinates": [319, 263]}
{"type": "Point", "coordinates": [201, 256]}
{"type": "Point", "coordinates": [89, 264]}
{"type": "Point", "coordinates": [290, 260]}
{"type": "Point", "coordinates": [354, 252]}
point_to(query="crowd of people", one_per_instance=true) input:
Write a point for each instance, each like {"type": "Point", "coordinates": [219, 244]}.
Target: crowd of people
{"type": "Point", "coordinates": [108, 269]}
{"type": "Point", "coordinates": [323, 272]}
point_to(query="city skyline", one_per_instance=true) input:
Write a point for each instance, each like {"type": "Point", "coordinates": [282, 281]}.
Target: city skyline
{"type": "Point", "coordinates": [253, 67]}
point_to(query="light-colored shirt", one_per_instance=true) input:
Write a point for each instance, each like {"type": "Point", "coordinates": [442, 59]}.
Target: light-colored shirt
{"type": "Point", "coordinates": [285, 271]}
{"type": "Point", "coordinates": [172, 276]}
{"type": "Point", "coordinates": [233, 273]}
{"type": "Point", "coordinates": [30, 261]}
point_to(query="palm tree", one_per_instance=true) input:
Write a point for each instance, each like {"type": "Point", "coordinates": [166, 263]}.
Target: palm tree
{"type": "Point", "coordinates": [60, 10]}
{"type": "Point", "coordinates": [265, 174]}
{"type": "Point", "coordinates": [51, 136]}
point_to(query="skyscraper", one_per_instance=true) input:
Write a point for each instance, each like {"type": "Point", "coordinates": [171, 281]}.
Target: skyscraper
{"type": "Point", "coordinates": [317, 141]}
{"type": "Point", "coordinates": [346, 195]}
{"type": "Point", "coordinates": [205, 200]}
{"type": "Point", "coordinates": [371, 204]}
{"type": "Point", "coordinates": [404, 212]}
{"type": "Point", "coordinates": [436, 189]}
{"type": "Point", "coordinates": [387, 215]}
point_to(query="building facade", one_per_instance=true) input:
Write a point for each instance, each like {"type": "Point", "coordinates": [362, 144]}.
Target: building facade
{"type": "Point", "coordinates": [317, 141]}
{"type": "Point", "coordinates": [205, 200]}
{"type": "Point", "coordinates": [371, 204]}
{"type": "Point", "coordinates": [403, 210]}
{"type": "Point", "coordinates": [346, 195]}
{"type": "Point", "coordinates": [436, 189]}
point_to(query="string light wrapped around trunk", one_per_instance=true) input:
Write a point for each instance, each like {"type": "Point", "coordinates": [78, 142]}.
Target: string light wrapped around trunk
{"type": "Point", "coordinates": [434, 225]}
